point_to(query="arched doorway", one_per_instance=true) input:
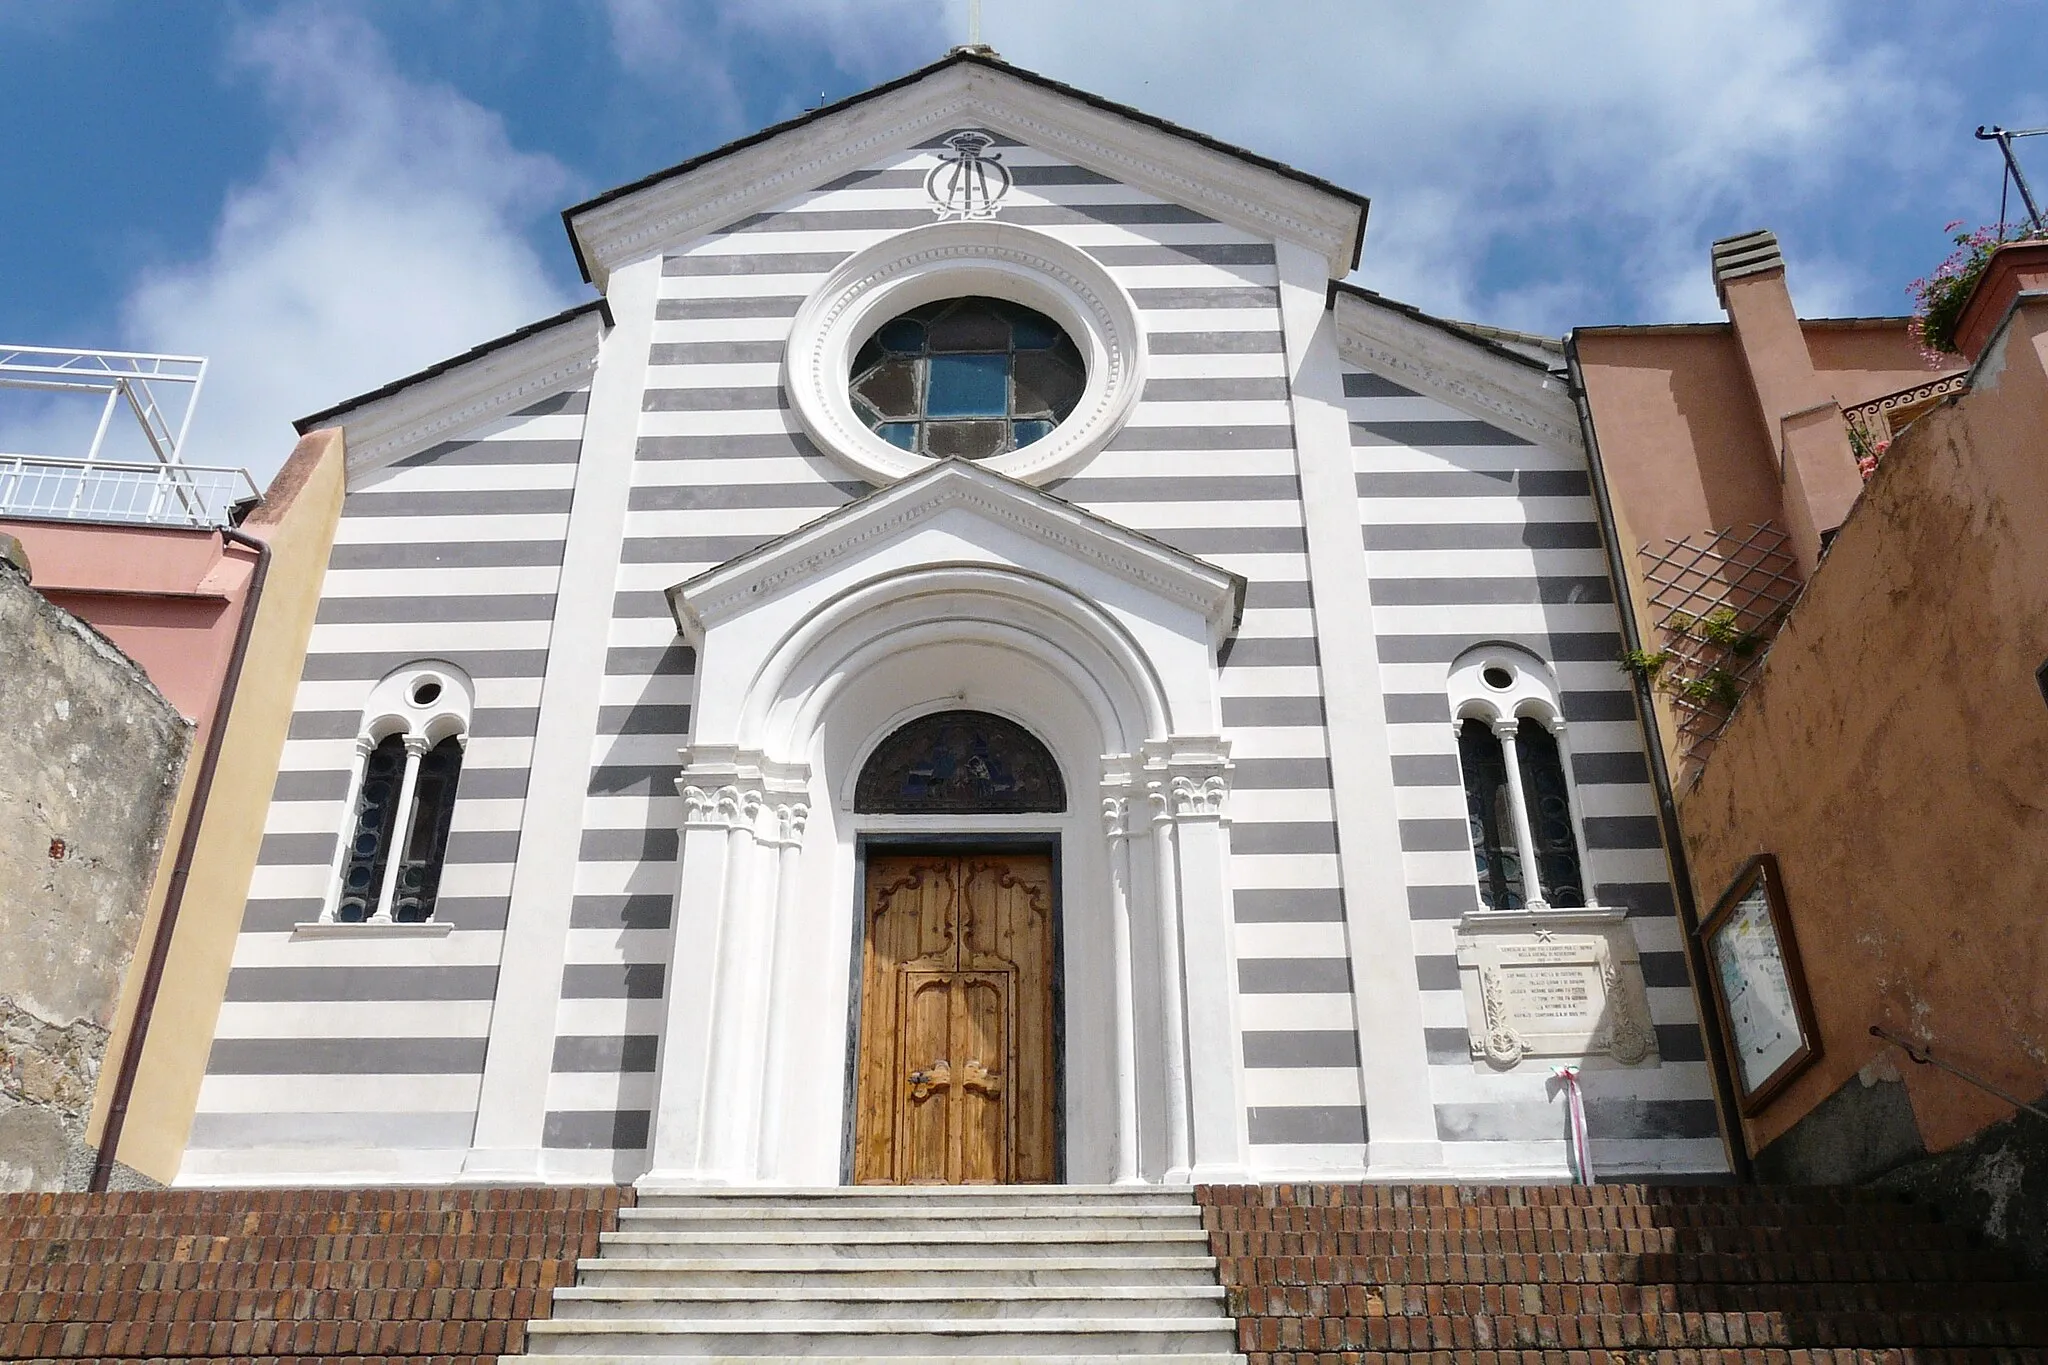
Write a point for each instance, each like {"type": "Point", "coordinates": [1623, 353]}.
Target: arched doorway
{"type": "Point", "coordinates": [957, 1067]}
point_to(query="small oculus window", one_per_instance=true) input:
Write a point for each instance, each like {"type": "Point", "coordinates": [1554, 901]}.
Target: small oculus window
{"type": "Point", "coordinates": [973, 377]}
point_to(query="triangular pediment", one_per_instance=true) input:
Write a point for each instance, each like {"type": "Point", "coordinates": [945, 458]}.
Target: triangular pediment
{"type": "Point", "coordinates": [1227, 183]}
{"type": "Point", "coordinates": [1456, 365]}
{"type": "Point", "coordinates": [482, 384]}
{"type": "Point", "coordinates": [1066, 531]}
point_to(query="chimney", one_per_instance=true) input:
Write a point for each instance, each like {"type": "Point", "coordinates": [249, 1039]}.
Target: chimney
{"type": "Point", "coordinates": [1815, 467]}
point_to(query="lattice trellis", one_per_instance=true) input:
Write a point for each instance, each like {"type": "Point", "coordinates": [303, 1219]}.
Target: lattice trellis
{"type": "Point", "coordinates": [1720, 598]}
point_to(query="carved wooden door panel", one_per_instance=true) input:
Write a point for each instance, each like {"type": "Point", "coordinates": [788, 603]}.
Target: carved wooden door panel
{"type": "Point", "coordinates": [956, 1064]}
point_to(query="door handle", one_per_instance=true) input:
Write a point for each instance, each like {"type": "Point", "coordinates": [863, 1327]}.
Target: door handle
{"type": "Point", "coordinates": [937, 1076]}
{"type": "Point", "coordinates": [979, 1077]}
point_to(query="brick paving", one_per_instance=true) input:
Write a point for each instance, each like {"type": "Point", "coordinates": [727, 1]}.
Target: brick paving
{"type": "Point", "coordinates": [1612, 1275]}
{"type": "Point", "coordinates": [450, 1276]}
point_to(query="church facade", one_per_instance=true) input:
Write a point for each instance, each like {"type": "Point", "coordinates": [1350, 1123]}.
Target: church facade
{"type": "Point", "coordinates": [974, 660]}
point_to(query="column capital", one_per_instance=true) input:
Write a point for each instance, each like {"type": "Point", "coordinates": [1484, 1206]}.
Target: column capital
{"type": "Point", "coordinates": [1187, 777]}
{"type": "Point", "coordinates": [416, 745]}
{"type": "Point", "coordinates": [723, 787]}
{"type": "Point", "coordinates": [1506, 727]}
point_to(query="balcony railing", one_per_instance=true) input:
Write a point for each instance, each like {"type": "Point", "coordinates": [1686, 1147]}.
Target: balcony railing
{"type": "Point", "coordinates": [106, 490]}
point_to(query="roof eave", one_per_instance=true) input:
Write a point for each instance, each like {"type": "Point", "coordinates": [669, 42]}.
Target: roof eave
{"type": "Point", "coordinates": [1357, 204]}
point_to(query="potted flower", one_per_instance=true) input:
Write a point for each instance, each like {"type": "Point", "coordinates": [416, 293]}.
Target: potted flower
{"type": "Point", "coordinates": [1957, 307]}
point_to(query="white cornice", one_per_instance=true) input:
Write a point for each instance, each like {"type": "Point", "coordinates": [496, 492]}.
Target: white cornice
{"type": "Point", "coordinates": [1175, 168]}
{"type": "Point", "coordinates": [1461, 374]}
{"type": "Point", "coordinates": [467, 395]}
{"type": "Point", "coordinates": [752, 578]}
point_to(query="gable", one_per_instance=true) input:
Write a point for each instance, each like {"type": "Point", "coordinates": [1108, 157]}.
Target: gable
{"type": "Point", "coordinates": [1180, 167]}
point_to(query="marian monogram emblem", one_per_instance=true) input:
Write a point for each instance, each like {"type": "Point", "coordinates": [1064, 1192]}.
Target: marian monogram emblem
{"type": "Point", "coordinates": [972, 181]}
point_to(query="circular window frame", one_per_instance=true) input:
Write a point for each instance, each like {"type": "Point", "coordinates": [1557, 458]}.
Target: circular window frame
{"type": "Point", "coordinates": [955, 260]}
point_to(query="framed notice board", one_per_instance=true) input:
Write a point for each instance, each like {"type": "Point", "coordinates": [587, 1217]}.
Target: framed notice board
{"type": "Point", "coordinates": [1766, 1013]}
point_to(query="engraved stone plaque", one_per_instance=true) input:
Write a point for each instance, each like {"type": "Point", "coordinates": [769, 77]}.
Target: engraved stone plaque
{"type": "Point", "coordinates": [1554, 983]}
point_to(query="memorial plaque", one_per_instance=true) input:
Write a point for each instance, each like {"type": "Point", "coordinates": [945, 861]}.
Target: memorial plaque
{"type": "Point", "coordinates": [1554, 983]}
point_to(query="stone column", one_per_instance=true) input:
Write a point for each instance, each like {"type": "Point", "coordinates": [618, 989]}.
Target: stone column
{"type": "Point", "coordinates": [790, 818]}
{"type": "Point", "coordinates": [690, 991]}
{"type": "Point", "coordinates": [1172, 999]}
{"type": "Point", "coordinates": [1190, 779]}
{"type": "Point", "coordinates": [1518, 805]}
{"type": "Point", "coordinates": [329, 902]}
{"type": "Point", "coordinates": [1116, 808]}
{"type": "Point", "coordinates": [401, 828]}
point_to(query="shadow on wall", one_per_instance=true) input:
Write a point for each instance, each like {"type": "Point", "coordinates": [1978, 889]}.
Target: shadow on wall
{"type": "Point", "coordinates": [1865, 1134]}
{"type": "Point", "coordinates": [92, 755]}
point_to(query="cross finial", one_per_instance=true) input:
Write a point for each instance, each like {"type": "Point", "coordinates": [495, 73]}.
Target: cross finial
{"type": "Point", "coordinates": [974, 23]}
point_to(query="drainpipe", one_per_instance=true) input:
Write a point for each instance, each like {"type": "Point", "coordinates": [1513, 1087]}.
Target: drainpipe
{"type": "Point", "coordinates": [181, 869]}
{"type": "Point", "coordinates": [1667, 805]}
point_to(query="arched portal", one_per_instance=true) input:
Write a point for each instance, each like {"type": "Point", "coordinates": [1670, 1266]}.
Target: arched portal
{"type": "Point", "coordinates": [853, 647]}
{"type": "Point", "coordinates": [957, 1069]}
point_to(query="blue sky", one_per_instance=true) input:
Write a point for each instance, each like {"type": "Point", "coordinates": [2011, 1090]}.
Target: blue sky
{"type": "Point", "coordinates": [321, 197]}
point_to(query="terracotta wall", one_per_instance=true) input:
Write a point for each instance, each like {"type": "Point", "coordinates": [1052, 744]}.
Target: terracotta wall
{"type": "Point", "coordinates": [1893, 753]}
{"type": "Point", "coordinates": [296, 520]}
{"type": "Point", "coordinates": [1684, 446]}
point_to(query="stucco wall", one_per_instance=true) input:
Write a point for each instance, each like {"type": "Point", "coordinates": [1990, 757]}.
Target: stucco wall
{"type": "Point", "coordinates": [90, 760]}
{"type": "Point", "coordinates": [296, 520]}
{"type": "Point", "coordinates": [1892, 754]}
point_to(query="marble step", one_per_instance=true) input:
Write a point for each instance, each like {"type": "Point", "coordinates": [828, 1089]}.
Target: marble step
{"type": "Point", "coordinates": [600, 1357]}
{"type": "Point", "coordinates": [655, 1195]}
{"type": "Point", "coordinates": [892, 1302]}
{"type": "Point", "coordinates": [968, 1272]}
{"type": "Point", "coordinates": [911, 1243]}
{"type": "Point", "coordinates": [829, 1222]}
{"type": "Point", "coordinates": [1042, 1338]}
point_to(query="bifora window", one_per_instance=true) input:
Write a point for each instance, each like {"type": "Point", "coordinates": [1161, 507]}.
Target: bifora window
{"type": "Point", "coordinates": [971, 377]}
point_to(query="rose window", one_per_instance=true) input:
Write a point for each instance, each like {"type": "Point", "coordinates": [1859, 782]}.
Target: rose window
{"type": "Point", "coordinates": [972, 377]}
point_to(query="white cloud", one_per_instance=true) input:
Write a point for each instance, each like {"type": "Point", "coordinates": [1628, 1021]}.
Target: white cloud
{"type": "Point", "coordinates": [384, 234]}
{"type": "Point", "coordinates": [1535, 165]}
{"type": "Point", "coordinates": [1547, 161]}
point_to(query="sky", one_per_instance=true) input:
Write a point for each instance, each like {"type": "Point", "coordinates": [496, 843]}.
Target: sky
{"type": "Point", "coordinates": [322, 197]}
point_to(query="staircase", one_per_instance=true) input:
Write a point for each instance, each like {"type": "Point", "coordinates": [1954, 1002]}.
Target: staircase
{"type": "Point", "coordinates": [1094, 1275]}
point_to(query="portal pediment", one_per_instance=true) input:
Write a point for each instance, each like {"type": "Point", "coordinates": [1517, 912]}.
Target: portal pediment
{"type": "Point", "coordinates": [969, 515]}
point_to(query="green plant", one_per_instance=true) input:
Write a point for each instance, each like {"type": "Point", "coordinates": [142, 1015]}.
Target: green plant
{"type": "Point", "coordinates": [1713, 687]}
{"type": "Point", "coordinates": [1720, 628]}
{"type": "Point", "coordinates": [1644, 663]}
{"type": "Point", "coordinates": [1938, 298]}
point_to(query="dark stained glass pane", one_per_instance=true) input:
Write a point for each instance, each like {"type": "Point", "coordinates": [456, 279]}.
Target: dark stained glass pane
{"type": "Point", "coordinates": [967, 386]}
{"type": "Point", "coordinates": [960, 762]}
{"type": "Point", "coordinates": [899, 434]}
{"type": "Point", "coordinates": [890, 388]}
{"type": "Point", "coordinates": [1550, 814]}
{"type": "Point", "coordinates": [967, 440]}
{"type": "Point", "coordinates": [1492, 819]}
{"type": "Point", "coordinates": [904, 335]}
{"type": "Point", "coordinates": [1046, 385]}
{"type": "Point", "coordinates": [419, 875]}
{"type": "Point", "coordinates": [865, 358]}
{"type": "Point", "coordinates": [1027, 432]}
{"type": "Point", "coordinates": [362, 877]}
{"type": "Point", "coordinates": [971, 325]}
{"type": "Point", "coordinates": [1034, 331]}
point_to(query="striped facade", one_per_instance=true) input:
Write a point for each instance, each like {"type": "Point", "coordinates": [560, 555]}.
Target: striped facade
{"type": "Point", "coordinates": [332, 1045]}
{"type": "Point", "coordinates": [1475, 534]}
{"type": "Point", "coordinates": [1205, 464]}
{"type": "Point", "coordinates": [367, 1056]}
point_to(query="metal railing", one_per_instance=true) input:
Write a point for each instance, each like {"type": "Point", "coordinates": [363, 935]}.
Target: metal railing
{"type": "Point", "coordinates": [107, 490]}
{"type": "Point", "coordinates": [1922, 1057]}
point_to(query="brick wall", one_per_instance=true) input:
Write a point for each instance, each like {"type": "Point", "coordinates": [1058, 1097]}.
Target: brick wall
{"type": "Point", "coordinates": [1611, 1275]}
{"type": "Point", "coordinates": [290, 1275]}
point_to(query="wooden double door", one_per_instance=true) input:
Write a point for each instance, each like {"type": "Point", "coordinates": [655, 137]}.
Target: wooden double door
{"type": "Point", "coordinates": [956, 1076]}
